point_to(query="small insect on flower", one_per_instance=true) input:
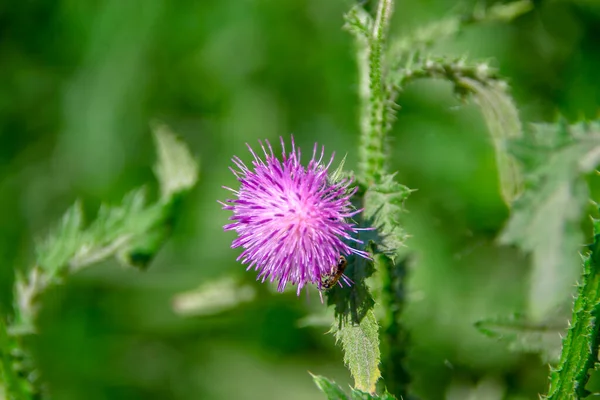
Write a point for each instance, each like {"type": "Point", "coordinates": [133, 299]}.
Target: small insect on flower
{"type": "Point", "coordinates": [337, 272]}
{"type": "Point", "coordinates": [293, 221]}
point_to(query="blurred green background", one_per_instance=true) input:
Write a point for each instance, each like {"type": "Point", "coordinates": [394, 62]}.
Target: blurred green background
{"type": "Point", "coordinates": [80, 82]}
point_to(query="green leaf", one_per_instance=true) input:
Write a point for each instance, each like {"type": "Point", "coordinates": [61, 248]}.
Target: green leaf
{"type": "Point", "coordinates": [428, 35]}
{"type": "Point", "coordinates": [353, 302]}
{"type": "Point", "coordinates": [502, 119]}
{"type": "Point", "coordinates": [133, 231]}
{"type": "Point", "coordinates": [330, 388]}
{"type": "Point", "coordinates": [334, 392]}
{"type": "Point", "coordinates": [360, 343]}
{"type": "Point", "coordinates": [545, 220]}
{"type": "Point", "coordinates": [360, 395]}
{"type": "Point", "coordinates": [358, 22]}
{"type": "Point", "coordinates": [384, 205]}
{"type": "Point", "coordinates": [176, 170]}
{"type": "Point", "coordinates": [482, 82]}
{"type": "Point", "coordinates": [338, 174]}
{"type": "Point", "coordinates": [112, 230]}
{"type": "Point", "coordinates": [526, 337]}
{"type": "Point", "coordinates": [61, 244]}
{"type": "Point", "coordinates": [580, 346]}
{"type": "Point", "coordinates": [421, 38]}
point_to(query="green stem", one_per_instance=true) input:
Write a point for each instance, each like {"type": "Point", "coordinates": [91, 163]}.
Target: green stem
{"type": "Point", "coordinates": [375, 98]}
{"type": "Point", "coordinates": [454, 70]}
{"type": "Point", "coordinates": [580, 347]}
{"type": "Point", "coordinates": [375, 94]}
{"type": "Point", "coordinates": [394, 337]}
{"type": "Point", "coordinates": [15, 387]}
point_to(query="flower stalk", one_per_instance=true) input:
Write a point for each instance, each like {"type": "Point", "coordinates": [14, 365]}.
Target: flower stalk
{"type": "Point", "coordinates": [375, 97]}
{"type": "Point", "coordinates": [377, 111]}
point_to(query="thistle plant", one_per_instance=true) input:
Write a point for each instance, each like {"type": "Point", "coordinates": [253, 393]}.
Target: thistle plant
{"type": "Point", "coordinates": [369, 312]}
{"type": "Point", "coordinates": [314, 225]}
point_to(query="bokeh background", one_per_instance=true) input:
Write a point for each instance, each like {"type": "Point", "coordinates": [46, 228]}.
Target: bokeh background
{"type": "Point", "coordinates": [81, 80]}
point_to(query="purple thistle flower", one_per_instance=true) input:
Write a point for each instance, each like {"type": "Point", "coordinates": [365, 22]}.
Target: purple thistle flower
{"type": "Point", "coordinates": [291, 220]}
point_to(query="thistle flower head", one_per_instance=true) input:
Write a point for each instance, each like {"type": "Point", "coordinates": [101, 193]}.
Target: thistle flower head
{"type": "Point", "coordinates": [292, 221]}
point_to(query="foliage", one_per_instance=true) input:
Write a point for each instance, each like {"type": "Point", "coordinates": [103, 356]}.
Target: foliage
{"type": "Point", "coordinates": [547, 217]}
{"type": "Point", "coordinates": [384, 205]}
{"type": "Point", "coordinates": [382, 76]}
{"type": "Point", "coordinates": [83, 82]}
{"type": "Point", "coordinates": [580, 346]}
{"type": "Point", "coordinates": [361, 350]}
{"type": "Point", "coordinates": [503, 124]}
{"type": "Point", "coordinates": [523, 336]}
{"type": "Point", "coordinates": [334, 392]}
{"type": "Point", "coordinates": [133, 232]}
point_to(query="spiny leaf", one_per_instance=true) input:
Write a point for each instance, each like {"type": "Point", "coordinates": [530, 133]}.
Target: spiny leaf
{"type": "Point", "coordinates": [580, 347]}
{"type": "Point", "coordinates": [545, 219]}
{"type": "Point", "coordinates": [125, 230]}
{"type": "Point", "coordinates": [176, 169]}
{"type": "Point", "coordinates": [503, 123]}
{"type": "Point", "coordinates": [334, 392]}
{"type": "Point", "coordinates": [358, 22]}
{"type": "Point", "coordinates": [481, 81]}
{"type": "Point", "coordinates": [355, 326]}
{"type": "Point", "coordinates": [112, 231]}
{"type": "Point", "coordinates": [61, 244]}
{"type": "Point", "coordinates": [384, 205]}
{"type": "Point", "coordinates": [338, 174]}
{"type": "Point", "coordinates": [133, 231]}
{"type": "Point", "coordinates": [360, 395]}
{"type": "Point", "coordinates": [352, 302]}
{"type": "Point", "coordinates": [451, 26]}
{"type": "Point", "coordinates": [360, 343]}
{"type": "Point", "coordinates": [526, 337]}
{"type": "Point", "coordinates": [330, 388]}
{"type": "Point", "coordinates": [421, 38]}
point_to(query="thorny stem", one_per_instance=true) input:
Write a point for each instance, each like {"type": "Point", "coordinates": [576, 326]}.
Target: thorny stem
{"type": "Point", "coordinates": [580, 347]}
{"type": "Point", "coordinates": [454, 70]}
{"type": "Point", "coordinates": [394, 336]}
{"type": "Point", "coordinates": [375, 96]}
{"type": "Point", "coordinates": [10, 381]}
{"type": "Point", "coordinates": [375, 125]}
